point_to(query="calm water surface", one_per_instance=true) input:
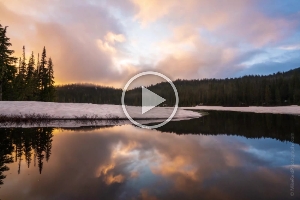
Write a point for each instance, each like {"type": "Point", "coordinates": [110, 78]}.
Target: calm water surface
{"type": "Point", "coordinates": [223, 155]}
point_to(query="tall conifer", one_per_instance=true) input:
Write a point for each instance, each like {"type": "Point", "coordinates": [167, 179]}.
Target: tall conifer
{"type": "Point", "coordinates": [7, 61]}
{"type": "Point", "coordinates": [51, 88]}
{"type": "Point", "coordinates": [31, 81]}
{"type": "Point", "coordinates": [43, 76]}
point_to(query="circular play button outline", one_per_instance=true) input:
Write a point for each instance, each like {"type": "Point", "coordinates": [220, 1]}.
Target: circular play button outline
{"type": "Point", "coordinates": [156, 74]}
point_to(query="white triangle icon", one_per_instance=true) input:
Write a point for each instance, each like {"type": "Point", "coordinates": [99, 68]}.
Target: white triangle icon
{"type": "Point", "coordinates": [150, 100]}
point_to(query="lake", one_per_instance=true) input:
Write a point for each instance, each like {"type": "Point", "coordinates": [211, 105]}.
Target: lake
{"type": "Point", "coordinates": [222, 155]}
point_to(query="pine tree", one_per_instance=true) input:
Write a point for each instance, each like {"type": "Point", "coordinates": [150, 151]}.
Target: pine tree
{"type": "Point", "coordinates": [37, 79]}
{"type": "Point", "coordinates": [19, 67]}
{"type": "Point", "coordinates": [21, 85]}
{"type": "Point", "coordinates": [31, 81]}
{"type": "Point", "coordinates": [18, 82]}
{"type": "Point", "coordinates": [43, 76]}
{"type": "Point", "coordinates": [30, 68]}
{"type": "Point", "coordinates": [22, 71]}
{"type": "Point", "coordinates": [50, 87]}
{"type": "Point", "coordinates": [7, 61]}
{"type": "Point", "coordinates": [38, 64]}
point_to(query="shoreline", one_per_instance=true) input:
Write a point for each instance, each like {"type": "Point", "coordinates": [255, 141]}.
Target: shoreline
{"type": "Point", "coordinates": [287, 110]}
{"type": "Point", "coordinates": [37, 114]}
{"type": "Point", "coordinates": [61, 123]}
{"type": "Point", "coordinates": [33, 113]}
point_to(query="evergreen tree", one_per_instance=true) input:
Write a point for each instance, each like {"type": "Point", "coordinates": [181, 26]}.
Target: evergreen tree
{"type": "Point", "coordinates": [18, 82]}
{"type": "Point", "coordinates": [22, 71]}
{"type": "Point", "coordinates": [30, 68]}
{"type": "Point", "coordinates": [21, 84]}
{"type": "Point", "coordinates": [38, 65]}
{"type": "Point", "coordinates": [7, 61]}
{"type": "Point", "coordinates": [19, 67]}
{"type": "Point", "coordinates": [31, 79]}
{"type": "Point", "coordinates": [43, 77]}
{"type": "Point", "coordinates": [50, 86]}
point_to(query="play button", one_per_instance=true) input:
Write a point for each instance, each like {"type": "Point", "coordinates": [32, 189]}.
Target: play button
{"type": "Point", "coordinates": [150, 100]}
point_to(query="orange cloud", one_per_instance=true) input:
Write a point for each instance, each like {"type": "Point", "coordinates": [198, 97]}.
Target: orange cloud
{"type": "Point", "coordinates": [112, 37]}
{"type": "Point", "coordinates": [97, 42]}
{"type": "Point", "coordinates": [150, 11]}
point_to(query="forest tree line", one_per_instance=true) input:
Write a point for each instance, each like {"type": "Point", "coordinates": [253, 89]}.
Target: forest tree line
{"type": "Point", "coordinates": [88, 93]}
{"type": "Point", "coordinates": [282, 88]}
{"type": "Point", "coordinates": [22, 80]}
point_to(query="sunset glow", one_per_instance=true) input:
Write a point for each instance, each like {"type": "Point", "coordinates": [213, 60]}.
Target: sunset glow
{"type": "Point", "coordinates": [106, 42]}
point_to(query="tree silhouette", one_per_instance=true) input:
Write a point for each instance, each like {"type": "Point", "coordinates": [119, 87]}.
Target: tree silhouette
{"type": "Point", "coordinates": [27, 83]}
{"type": "Point", "coordinates": [50, 91]}
{"type": "Point", "coordinates": [31, 80]}
{"type": "Point", "coordinates": [42, 76]}
{"type": "Point", "coordinates": [7, 61]}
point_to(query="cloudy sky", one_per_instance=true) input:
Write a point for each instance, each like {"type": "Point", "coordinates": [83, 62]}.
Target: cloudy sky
{"type": "Point", "coordinates": [108, 41]}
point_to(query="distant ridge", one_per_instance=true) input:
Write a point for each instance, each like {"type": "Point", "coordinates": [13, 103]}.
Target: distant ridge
{"type": "Point", "coordinates": [292, 71]}
{"type": "Point", "coordinates": [281, 88]}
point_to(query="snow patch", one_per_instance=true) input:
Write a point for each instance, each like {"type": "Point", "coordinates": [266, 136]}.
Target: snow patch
{"type": "Point", "coordinates": [292, 110]}
{"type": "Point", "coordinates": [77, 110]}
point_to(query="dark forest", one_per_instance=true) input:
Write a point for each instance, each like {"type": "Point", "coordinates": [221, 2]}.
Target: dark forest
{"type": "Point", "coordinates": [282, 88]}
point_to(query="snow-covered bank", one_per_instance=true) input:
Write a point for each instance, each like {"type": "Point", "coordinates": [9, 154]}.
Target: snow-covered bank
{"type": "Point", "coordinates": [293, 110]}
{"type": "Point", "coordinates": [81, 123]}
{"type": "Point", "coordinates": [82, 110]}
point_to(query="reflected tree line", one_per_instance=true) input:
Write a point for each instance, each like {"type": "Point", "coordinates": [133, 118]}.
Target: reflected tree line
{"type": "Point", "coordinates": [30, 144]}
{"type": "Point", "coordinates": [249, 125]}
